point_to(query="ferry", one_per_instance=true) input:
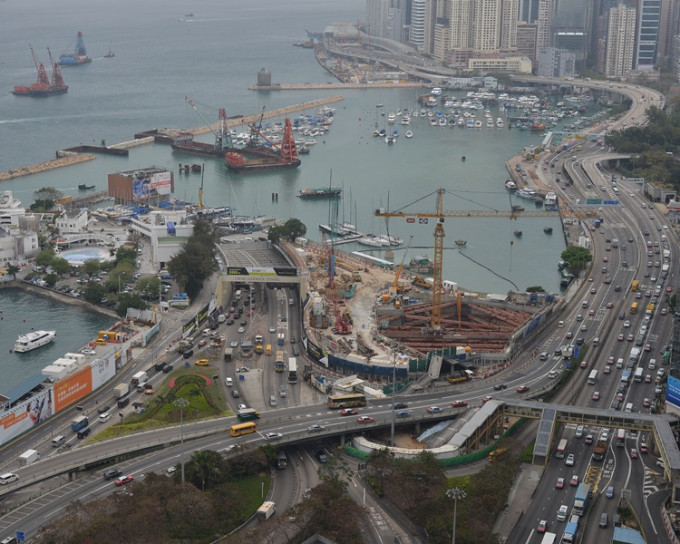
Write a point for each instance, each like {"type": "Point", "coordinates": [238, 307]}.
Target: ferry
{"type": "Point", "coordinates": [33, 340]}
{"type": "Point", "coordinates": [527, 194]}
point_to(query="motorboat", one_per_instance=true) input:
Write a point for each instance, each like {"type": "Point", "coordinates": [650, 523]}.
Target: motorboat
{"type": "Point", "coordinates": [33, 340]}
{"type": "Point", "coordinates": [409, 134]}
{"type": "Point", "coordinates": [510, 185]}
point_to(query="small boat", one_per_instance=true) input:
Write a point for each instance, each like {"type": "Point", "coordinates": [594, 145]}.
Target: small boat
{"type": "Point", "coordinates": [518, 233]}
{"type": "Point", "coordinates": [463, 158]}
{"type": "Point", "coordinates": [517, 208]}
{"type": "Point", "coordinates": [510, 185]}
{"type": "Point", "coordinates": [379, 105]}
{"type": "Point", "coordinates": [33, 340]}
{"type": "Point", "coordinates": [83, 187]}
{"type": "Point", "coordinates": [461, 242]}
{"type": "Point", "coordinates": [409, 134]}
{"type": "Point", "coordinates": [322, 192]}
{"type": "Point", "coordinates": [547, 230]}
{"type": "Point", "coordinates": [110, 54]}
{"type": "Point", "coordinates": [390, 139]}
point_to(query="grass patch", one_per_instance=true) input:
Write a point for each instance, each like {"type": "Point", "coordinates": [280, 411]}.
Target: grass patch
{"type": "Point", "coordinates": [250, 497]}
{"type": "Point", "coordinates": [458, 481]}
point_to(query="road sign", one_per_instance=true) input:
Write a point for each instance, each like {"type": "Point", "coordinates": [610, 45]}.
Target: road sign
{"type": "Point", "coordinates": [594, 201]}
{"type": "Point", "coordinates": [611, 202]}
{"type": "Point", "coordinates": [21, 537]}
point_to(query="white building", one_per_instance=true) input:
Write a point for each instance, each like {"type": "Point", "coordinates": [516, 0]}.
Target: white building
{"type": "Point", "coordinates": [72, 222]}
{"type": "Point", "coordinates": [553, 62]}
{"type": "Point", "coordinates": [620, 41]}
{"type": "Point", "coordinates": [521, 65]}
{"type": "Point", "coordinates": [10, 210]}
{"type": "Point", "coordinates": [167, 232]}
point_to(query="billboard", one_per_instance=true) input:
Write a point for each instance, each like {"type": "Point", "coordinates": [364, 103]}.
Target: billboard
{"type": "Point", "coordinates": [103, 370]}
{"type": "Point", "coordinates": [25, 415]}
{"type": "Point", "coordinates": [673, 392]}
{"type": "Point", "coordinates": [146, 186]}
{"type": "Point", "coordinates": [161, 183]}
{"type": "Point", "coordinates": [72, 388]}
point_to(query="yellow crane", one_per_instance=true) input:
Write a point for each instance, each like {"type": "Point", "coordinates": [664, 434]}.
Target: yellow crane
{"type": "Point", "coordinates": [396, 288]}
{"type": "Point", "coordinates": [440, 215]}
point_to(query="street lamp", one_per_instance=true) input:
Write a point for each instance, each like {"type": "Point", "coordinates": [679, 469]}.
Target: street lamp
{"type": "Point", "coordinates": [181, 402]}
{"type": "Point", "coordinates": [394, 393]}
{"type": "Point", "coordinates": [455, 494]}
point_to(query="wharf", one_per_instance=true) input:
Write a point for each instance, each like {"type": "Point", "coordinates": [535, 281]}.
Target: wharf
{"type": "Point", "coordinates": [337, 85]}
{"type": "Point", "coordinates": [70, 157]}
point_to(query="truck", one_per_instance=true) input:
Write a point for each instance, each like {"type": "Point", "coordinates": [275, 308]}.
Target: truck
{"type": "Point", "coordinates": [248, 414]}
{"type": "Point", "coordinates": [581, 499]}
{"type": "Point", "coordinates": [615, 242]}
{"type": "Point", "coordinates": [121, 390]}
{"type": "Point", "coordinates": [600, 450]}
{"type": "Point", "coordinates": [228, 354]}
{"type": "Point", "coordinates": [567, 352]}
{"type": "Point", "coordinates": [78, 423]}
{"type": "Point", "coordinates": [281, 460]}
{"type": "Point", "coordinates": [139, 377]}
{"type": "Point", "coordinates": [569, 534]}
{"type": "Point", "coordinates": [28, 458]}
{"type": "Point", "coordinates": [185, 344]}
{"type": "Point", "coordinates": [634, 355]}
{"type": "Point", "coordinates": [266, 510]}
{"type": "Point", "coordinates": [625, 376]}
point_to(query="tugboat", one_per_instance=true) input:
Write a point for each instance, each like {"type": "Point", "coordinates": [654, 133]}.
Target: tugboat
{"type": "Point", "coordinates": [518, 233]}
{"type": "Point", "coordinates": [83, 187]}
{"type": "Point", "coordinates": [547, 230]}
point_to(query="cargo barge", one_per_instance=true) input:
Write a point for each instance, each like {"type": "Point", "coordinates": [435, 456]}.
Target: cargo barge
{"type": "Point", "coordinates": [79, 55]}
{"type": "Point", "coordinates": [285, 158]}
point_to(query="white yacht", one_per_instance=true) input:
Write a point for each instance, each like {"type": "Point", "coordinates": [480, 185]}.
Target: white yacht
{"type": "Point", "coordinates": [33, 340]}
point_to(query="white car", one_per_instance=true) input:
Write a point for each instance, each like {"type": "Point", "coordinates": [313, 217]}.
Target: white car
{"type": "Point", "coordinates": [569, 461]}
{"type": "Point", "coordinates": [271, 436]}
{"type": "Point", "coordinates": [241, 330]}
{"type": "Point", "coordinates": [272, 329]}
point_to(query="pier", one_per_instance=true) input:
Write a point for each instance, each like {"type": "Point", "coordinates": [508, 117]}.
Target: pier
{"type": "Point", "coordinates": [71, 157]}
{"type": "Point", "coordinates": [337, 85]}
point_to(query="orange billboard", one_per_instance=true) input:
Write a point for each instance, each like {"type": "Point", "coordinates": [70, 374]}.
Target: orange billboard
{"type": "Point", "coordinates": [73, 388]}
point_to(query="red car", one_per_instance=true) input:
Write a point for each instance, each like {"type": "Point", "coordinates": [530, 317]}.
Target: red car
{"type": "Point", "coordinates": [607, 370]}
{"type": "Point", "coordinates": [643, 447]}
{"type": "Point", "coordinates": [349, 412]}
{"type": "Point", "coordinates": [486, 399]}
{"type": "Point", "coordinates": [633, 453]}
{"type": "Point", "coordinates": [124, 480]}
{"type": "Point", "coordinates": [560, 483]}
{"type": "Point", "coordinates": [522, 388]}
{"type": "Point", "coordinates": [542, 526]}
{"type": "Point", "coordinates": [365, 419]}
{"type": "Point", "coordinates": [459, 403]}
{"type": "Point", "coordinates": [574, 480]}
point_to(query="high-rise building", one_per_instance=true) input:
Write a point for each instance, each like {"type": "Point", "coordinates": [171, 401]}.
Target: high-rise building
{"type": "Point", "coordinates": [572, 26]}
{"type": "Point", "coordinates": [417, 33]}
{"type": "Point", "coordinates": [546, 13]}
{"type": "Point", "coordinates": [553, 62]}
{"type": "Point", "coordinates": [647, 34]}
{"type": "Point", "coordinates": [376, 17]}
{"type": "Point", "coordinates": [526, 40]}
{"type": "Point", "coordinates": [528, 11]}
{"type": "Point", "coordinates": [620, 48]}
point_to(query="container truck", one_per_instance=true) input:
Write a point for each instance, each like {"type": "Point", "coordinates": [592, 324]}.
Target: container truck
{"type": "Point", "coordinates": [581, 499]}
{"type": "Point", "coordinates": [28, 458]}
{"type": "Point", "coordinates": [140, 377]}
{"type": "Point", "coordinates": [121, 390]}
{"type": "Point", "coordinates": [266, 510]}
{"type": "Point", "coordinates": [79, 423]}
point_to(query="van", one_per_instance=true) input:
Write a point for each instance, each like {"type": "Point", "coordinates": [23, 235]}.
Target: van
{"type": "Point", "coordinates": [560, 324]}
{"type": "Point", "coordinates": [82, 433]}
{"type": "Point", "coordinates": [290, 302]}
{"type": "Point", "coordinates": [103, 418]}
{"type": "Point", "coordinates": [562, 513]}
{"type": "Point", "coordinates": [629, 407]}
{"type": "Point", "coordinates": [553, 374]}
{"type": "Point", "coordinates": [652, 364]}
{"type": "Point", "coordinates": [543, 356]}
{"type": "Point", "coordinates": [596, 341]}
{"type": "Point", "coordinates": [8, 478]}
{"type": "Point", "coordinates": [584, 304]}
{"type": "Point", "coordinates": [58, 441]}
{"type": "Point", "coordinates": [604, 520]}
{"type": "Point", "coordinates": [272, 400]}
{"type": "Point", "coordinates": [579, 431]}
{"type": "Point", "coordinates": [282, 391]}
{"type": "Point", "coordinates": [619, 362]}
{"type": "Point", "coordinates": [141, 387]}
{"type": "Point", "coordinates": [579, 317]}
{"type": "Point", "coordinates": [229, 382]}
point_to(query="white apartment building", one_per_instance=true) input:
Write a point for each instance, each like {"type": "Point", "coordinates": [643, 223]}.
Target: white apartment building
{"type": "Point", "coordinates": [620, 41]}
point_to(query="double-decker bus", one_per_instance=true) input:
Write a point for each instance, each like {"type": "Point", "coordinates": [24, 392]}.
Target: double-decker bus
{"type": "Point", "coordinates": [346, 401]}
{"type": "Point", "coordinates": [561, 448]}
{"type": "Point", "coordinates": [621, 438]}
{"type": "Point", "coordinates": [243, 428]}
{"type": "Point", "coordinates": [279, 365]}
{"type": "Point", "coordinates": [292, 370]}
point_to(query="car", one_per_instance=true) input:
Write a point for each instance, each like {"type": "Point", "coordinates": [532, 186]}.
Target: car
{"type": "Point", "coordinates": [167, 368]}
{"type": "Point", "coordinates": [112, 473]}
{"type": "Point", "coordinates": [633, 453]}
{"type": "Point", "coordinates": [630, 338]}
{"type": "Point", "coordinates": [230, 321]}
{"type": "Point", "coordinates": [591, 312]}
{"type": "Point", "coordinates": [349, 412]}
{"type": "Point", "coordinates": [293, 339]}
{"type": "Point", "coordinates": [522, 388]}
{"type": "Point", "coordinates": [574, 480]}
{"type": "Point", "coordinates": [610, 360]}
{"type": "Point", "coordinates": [242, 369]}
{"type": "Point", "coordinates": [486, 399]}
{"type": "Point", "coordinates": [610, 492]}
{"type": "Point", "coordinates": [607, 370]}
{"type": "Point", "coordinates": [404, 413]}
{"type": "Point", "coordinates": [619, 397]}
{"type": "Point", "coordinates": [560, 483]}
{"type": "Point", "coordinates": [434, 410]}
{"type": "Point", "coordinates": [500, 386]}
{"type": "Point", "coordinates": [242, 407]}
{"type": "Point", "coordinates": [605, 259]}
{"type": "Point", "coordinates": [570, 460]}
{"type": "Point", "coordinates": [669, 289]}
{"type": "Point", "coordinates": [589, 439]}
{"type": "Point", "coordinates": [103, 408]}
{"type": "Point", "coordinates": [402, 405]}
{"type": "Point", "coordinates": [272, 329]}
{"type": "Point", "coordinates": [643, 448]}
{"type": "Point", "coordinates": [596, 395]}
{"type": "Point", "coordinates": [620, 337]}
{"type": "Point", "coordinates": [202, 343]}
{"type": "Point", "coordinates": [648, 347]}
{"type": "Point", "coordinates": [315, 428]}
{"type": "Point", "coordinates": [584, 327]}
{"type": "Point", "coordinates": [648, 293]}
{"type": "Point", "coordinates": [638, 295]}
{"type": "Point", "coordinates": [241, 330]}
{"type": "Point", "coordinates": [646, 402]}
{"type": "Point", "coordinates": [579, 431]}
{"type": "Point", "coordinates": [457, 403]}
{"type": "Point", "coordinates": [124, 480]}
{"type": "Point", "coordinates": [272, 435]}
{"type": "Point", "coordinates": [626, 324]}
{"type": "Point", "coordinates": [593, 291]}
{"type": "Point", "coordinates": [569, 335]}
{"type": "Point", "coordinates": [365, 419]}
{"type": "Point", "coordinates": [233, 344]}
{"type": "Point", "coordinates": [648, 378]}
{"type": "Point", "coordinates": [562, 512]}
{"type": "Point", "coordinates": [584, 363]}
{"type": "Point", "coordinates": [610, 305]}
{"type": "Point", "coordinates": [542, 526]}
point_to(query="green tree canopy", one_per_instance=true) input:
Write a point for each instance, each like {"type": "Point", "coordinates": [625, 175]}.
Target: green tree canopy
{"type": "Point", "coordinates": [195, 262]}
{"type": "Point", "coordinates": [60, 265]}
{"type": "Point", "coordinates": [91, 267]}
{"type": "Point", "coordinates": [46, 198]}
{"type": "Point", "coordinates": [45, 257]}
{"type": "Point", "coordinates": [577, 257]}
{"type": "Point", "coordinates": [290, 230]}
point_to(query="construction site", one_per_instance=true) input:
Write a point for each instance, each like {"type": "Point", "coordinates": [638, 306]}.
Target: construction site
{"type": "Point", "coordinates": [375, 316]}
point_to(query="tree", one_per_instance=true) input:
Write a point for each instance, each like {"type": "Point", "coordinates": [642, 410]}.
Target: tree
{"type": "Point", "coordinates": [91, 267]}
{"type": "Point", "coordinates": [276, 233]}
{"type": "Point", "coordinates": [577, 257]}
{"type": "Point", "coordinates": [51, 279]}
{"type": "Point", "coordinates": [195, 262]}
{"type": "Point", "coordinates": [60, 265]}
{"type": "Point", "coordinates": [205, 469]}
{"type": "Point", "coordinates": [45, 257]}
{"type": "Point", "coordinates": [94, 293]}
{"type": "Point", "coordinates": [535, 289]}
{"type": "Point", "coordinates": [294, 228]}
{"type": "Point", "coordinates": [13, 270]}
{"type": "Point", "coordinates": [46, 198]}
{"type": "Point", "coordinates": [129, 300]}
{"type": "Point", "coordinates": [125, 253]}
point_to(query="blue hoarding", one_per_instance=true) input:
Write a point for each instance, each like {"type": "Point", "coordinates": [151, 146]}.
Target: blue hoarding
{"type": "Point", "coordinates": [673, 391]}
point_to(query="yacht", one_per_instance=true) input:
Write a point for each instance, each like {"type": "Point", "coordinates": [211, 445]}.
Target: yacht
{"type": "Point", "coordinates": [33, 340]}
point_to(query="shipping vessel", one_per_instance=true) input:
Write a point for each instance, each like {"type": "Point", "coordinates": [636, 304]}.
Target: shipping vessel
{"type": "Point", "coordinates": [286, 156]}
{"type": "Point", "coordinates": [322, 192]}
{"type": "Point", "coordinates": [79, 55]}
{"type": "Point", "coordinates": [43, 87]}
{"type": "Point", "coordinates": [33, 340]}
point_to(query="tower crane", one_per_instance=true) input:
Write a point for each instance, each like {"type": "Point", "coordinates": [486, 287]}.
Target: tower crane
{"type": "Point", "coordinates": [440, 215]}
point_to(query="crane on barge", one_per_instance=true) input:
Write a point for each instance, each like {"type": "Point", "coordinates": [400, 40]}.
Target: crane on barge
{"type": "Point", "coordinates": [43, 86]}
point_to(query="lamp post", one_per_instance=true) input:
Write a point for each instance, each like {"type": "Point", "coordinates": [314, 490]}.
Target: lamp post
{"type": "Point", "coordinates": [394, 393]}
{"type": "Point", "coordinates": [181, 402]}
{"type": "Point", "coordinates": [455, 494]}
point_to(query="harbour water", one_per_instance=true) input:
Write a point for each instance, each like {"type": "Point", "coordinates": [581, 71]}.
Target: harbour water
{"type": "Point", "coordinates": [162, 55]}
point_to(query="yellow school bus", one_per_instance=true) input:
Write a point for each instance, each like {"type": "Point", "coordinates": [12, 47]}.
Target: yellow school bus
{"type": "Point", "coordinates": [243, 428]}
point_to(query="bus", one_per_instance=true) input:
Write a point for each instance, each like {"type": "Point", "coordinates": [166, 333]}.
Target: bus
{"type": "Point", "coordinates": [292, 370]}
{"type": "Point", "coordinates": [634, 307]}
{"type": "Point", "coordinates": [634, 286]}
{"type": "Point", "coordinates": [621, 438]}
{"type": "Point", "coordinates": [346, 401]}
{"type": "Point", "coordinates": [279, 365]}
{"type": "Point", "coordinates": [561, 448]}
{"type": "Point", "coordinates": [549, 538]}
{"type": "Point", "coordinates": [638, 374]}
{"type": "Point", "coordinates": [592, 377]}
{"type": "Point", "coordinates": [243, 428]}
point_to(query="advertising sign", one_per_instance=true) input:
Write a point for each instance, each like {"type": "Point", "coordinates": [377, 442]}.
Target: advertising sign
{"type": "Point", "coordinates": [26, 414]}
{"type": "Point", "coordinates": [72, 388]}
{"type": "Point", "coordinates": [161, 183]}
{"type": "Point", "coordinates": [103, 370]}
{"type": "Point", "coordinates": [673, 392]}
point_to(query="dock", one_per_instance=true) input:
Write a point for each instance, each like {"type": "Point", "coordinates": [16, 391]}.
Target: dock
{"type": "Point", "coordinates": [336, 85]}
{"type": "Point", "coordinates": [71, 157]}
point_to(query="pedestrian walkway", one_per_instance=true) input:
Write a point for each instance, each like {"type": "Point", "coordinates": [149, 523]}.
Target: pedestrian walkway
{"type": "Point", "coordinates": [521, 494]}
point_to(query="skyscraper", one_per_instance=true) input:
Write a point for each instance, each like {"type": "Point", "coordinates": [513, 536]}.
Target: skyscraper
{"type": "Point", "coordinates": [620, 46]}
{"type": "Point", "coordinates": [417, 34]}
{"type": "Point", "coordinates": [647, 35]}
{"type": "Point", "coordinates": [546, 12]}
